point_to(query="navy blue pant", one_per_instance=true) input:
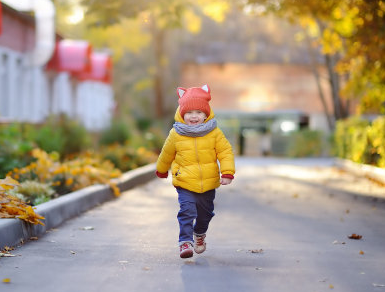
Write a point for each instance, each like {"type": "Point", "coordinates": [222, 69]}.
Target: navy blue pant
{"type": "Point", "coordinates": [195, 214]}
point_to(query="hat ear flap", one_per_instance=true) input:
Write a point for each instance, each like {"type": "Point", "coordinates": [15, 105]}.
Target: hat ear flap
{"type": "Point", "coordinates": [181, 91]}
{"type": "Point", "coordinates": [206, 88]}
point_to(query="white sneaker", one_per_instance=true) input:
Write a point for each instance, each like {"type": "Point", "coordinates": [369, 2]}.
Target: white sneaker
{"type": "Point", "coordinates": [186, 250]}
{"type": "Point", "coordinates": [199, 243]}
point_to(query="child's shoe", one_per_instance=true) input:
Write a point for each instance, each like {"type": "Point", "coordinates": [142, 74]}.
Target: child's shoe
{"type": "Point", "coordinates": [199, 243]}
{"type": "Point", "coordinates": [186, 250]}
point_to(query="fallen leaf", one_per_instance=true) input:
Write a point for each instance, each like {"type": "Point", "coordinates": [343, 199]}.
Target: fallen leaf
{"type": "Point", "coordinates": [7, 280]}
{"type": "Point", "coordinates": [361, 252]}
{"type": "Point", "coordinates": [146, 268]}
{"type": "Point", "coordinates": [355, 236]}
{"type": "Point", "coordinates": [8, 183]}
{"type": "Point", "coordinates": [256, 250]}
{"type": "Point", "coordinates": [53, 230]}
{"type": "Point", "coordinates": [347, 211]}
{"type": "Point", "coordinates": [7, 248]}
{"type": "Point", "coordinates": [331, 286]}
{"type": "Point", "coordinates": [87, 228]}
{"type": "Point", "coordinates": [33, 238]}
{"type": "Point", "coordinates": [295, 196]}
{"type": "Point", "coordinates": [3, 254]}
{"type": "Point", "coordinates": [378, 285]}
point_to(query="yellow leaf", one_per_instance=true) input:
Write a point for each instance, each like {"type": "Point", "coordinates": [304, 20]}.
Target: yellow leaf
{"type": "Point", "coordinates": [8, 183]}
{"type": "Point", "coordinates": [216, 10]}
{"type": "Point", "coordinates": [192, 22]}
{"type": "Point", "coordinates": [69, 181]}
{"type": "Point", "coordinates": [6, 280]}
{"type": "Point", "coordinates": [361, 252]}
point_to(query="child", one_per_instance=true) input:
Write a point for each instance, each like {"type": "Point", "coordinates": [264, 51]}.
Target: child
{"type": "Point", "coordinates": [192, 149]}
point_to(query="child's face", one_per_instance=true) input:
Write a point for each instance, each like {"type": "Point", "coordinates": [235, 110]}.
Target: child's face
{"type": "Point", "coordinates": [194, 117]}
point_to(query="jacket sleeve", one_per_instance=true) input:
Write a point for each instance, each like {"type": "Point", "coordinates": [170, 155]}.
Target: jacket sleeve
{"type": "Point", "coordinates": [167, 155]}
{"type": "Point", "coordinates": [225, 155]}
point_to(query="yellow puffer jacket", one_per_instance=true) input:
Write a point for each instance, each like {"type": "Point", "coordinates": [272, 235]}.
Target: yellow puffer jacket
{"type": "Point", "coordinates": [193, 160]}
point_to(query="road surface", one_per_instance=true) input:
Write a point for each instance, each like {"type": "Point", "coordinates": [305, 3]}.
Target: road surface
{"type": "Point", "coordinates": [282, 225]}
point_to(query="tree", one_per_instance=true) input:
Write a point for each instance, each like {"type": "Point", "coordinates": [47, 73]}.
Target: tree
{"type": "Point", "coordinates": [155, 18]}
{"type": "Point", "coordinates": [364, 60]}
{"type": "Point", "coordinates": [352, 37]}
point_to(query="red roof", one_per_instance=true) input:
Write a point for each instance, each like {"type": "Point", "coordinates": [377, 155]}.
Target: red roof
{"type": "Point", "coordinates": [101, 68]}
{"type": "Point", "coordinates": [71, 56]}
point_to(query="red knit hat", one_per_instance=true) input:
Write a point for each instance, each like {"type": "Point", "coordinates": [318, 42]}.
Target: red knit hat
{"type": "Point", "coordinates": [194, 98]}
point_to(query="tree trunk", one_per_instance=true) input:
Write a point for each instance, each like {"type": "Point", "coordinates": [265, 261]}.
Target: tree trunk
{"type": "Point", "coordinates": [335, 86]}
{"type": "Point", "coordinates": [330, 61]}
{"type": "Point", "coordinates": [158, 39]}
{"type": "Point", "coordinates": [314, 69]}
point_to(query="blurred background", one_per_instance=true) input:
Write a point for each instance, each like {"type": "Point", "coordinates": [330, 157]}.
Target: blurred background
{"type": "Point", "coordinates": [291, 78]}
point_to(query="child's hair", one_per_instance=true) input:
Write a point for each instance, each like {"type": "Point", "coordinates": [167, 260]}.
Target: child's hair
{"type": "Point", "coordinates": [194, 98]}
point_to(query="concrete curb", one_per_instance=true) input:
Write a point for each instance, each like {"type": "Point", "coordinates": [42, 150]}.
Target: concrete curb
{"type": "Point", "coordinates": [14, 231]}
{"type": "Point", "coordinates": [375, 173]}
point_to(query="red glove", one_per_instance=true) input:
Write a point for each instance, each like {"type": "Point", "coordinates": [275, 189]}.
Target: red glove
{"type": "Point", "coordinates": [161, 175]}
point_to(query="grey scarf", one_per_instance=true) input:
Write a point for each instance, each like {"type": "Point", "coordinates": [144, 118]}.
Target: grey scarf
{"type": "Point", "coordinates": [195, 130]}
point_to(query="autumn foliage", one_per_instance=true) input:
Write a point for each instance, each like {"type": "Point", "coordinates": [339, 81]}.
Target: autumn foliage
{"type": "Point", "coordinates": [46, 171]}
{"type": "Point", "coordinates": [361, 141]}
{"type": "Point", "coordinates": [70, 175]}
{"type": "Point", "coordinates": [62, 177]}
{"type": "Point", "coordinates": [12, 207]}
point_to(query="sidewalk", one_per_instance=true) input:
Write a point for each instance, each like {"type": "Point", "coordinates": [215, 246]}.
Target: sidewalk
{"type": "Point", "coordinates": [372, 172]}
{"type": "Point", "coordinates": [15, 231]}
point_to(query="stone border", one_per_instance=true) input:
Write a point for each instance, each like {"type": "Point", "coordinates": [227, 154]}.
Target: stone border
{"type": "Point", "coordinates": [14, 231]}
{"type": "Point", "coordinates": [372, 172]}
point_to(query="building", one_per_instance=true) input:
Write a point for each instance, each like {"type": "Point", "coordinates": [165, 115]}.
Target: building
{"type": "Point", "coordinates": [261, 80]}
{"type": "Point", "coordinates": [43, 74]}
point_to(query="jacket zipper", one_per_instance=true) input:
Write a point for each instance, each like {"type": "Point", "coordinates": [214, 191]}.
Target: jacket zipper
{"type": "Point", "coordinates": [200, 169]}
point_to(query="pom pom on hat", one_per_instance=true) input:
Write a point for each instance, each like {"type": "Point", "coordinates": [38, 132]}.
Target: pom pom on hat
{"type": "Point", "coordinates": [194, 98]}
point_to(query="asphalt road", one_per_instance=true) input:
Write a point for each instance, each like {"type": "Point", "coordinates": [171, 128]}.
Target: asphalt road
{"type": "Point", "coordinates": [283, 225]}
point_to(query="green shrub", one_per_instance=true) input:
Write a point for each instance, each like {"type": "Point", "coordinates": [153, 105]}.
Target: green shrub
{"type": "Point", "coordinates": [14, 150]}
{"type": "Point", "coordinates": [126, 157]}
{"type": "Point", "coordinates": [306, 143]}
{"type": "Point", "coordinates": [76, 136]}
{"type": "Point", "coordinates": [118, 132]}
{"type": "Point", "coordinates": [361, 141]}
{"type": "Point", "coordinates": [152, 139]}
{"type": "Point", "coordinates": [347, 133]}
{"type": "Point", "coordinates": [49, 138]}
{"type": "Point", "coordinates": [376, 135]}
{"type": "Point", "coordinates": [61, 134]}
{"type": "Point", "coordinates": [34, 193]}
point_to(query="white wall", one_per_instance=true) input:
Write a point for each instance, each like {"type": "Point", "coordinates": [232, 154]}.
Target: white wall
{"type": "Point", "coordinates": [29, 94]}
{"type": "Point", "coordinates": [23, 90]}
{"type": "Point", "coordinates": [95, 105]}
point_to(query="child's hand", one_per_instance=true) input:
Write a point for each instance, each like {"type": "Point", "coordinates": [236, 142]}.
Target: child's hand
{"type": "Point", "coordinates": [226, 181]}
{"type": "Point", "coordinates": [161, 175]}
